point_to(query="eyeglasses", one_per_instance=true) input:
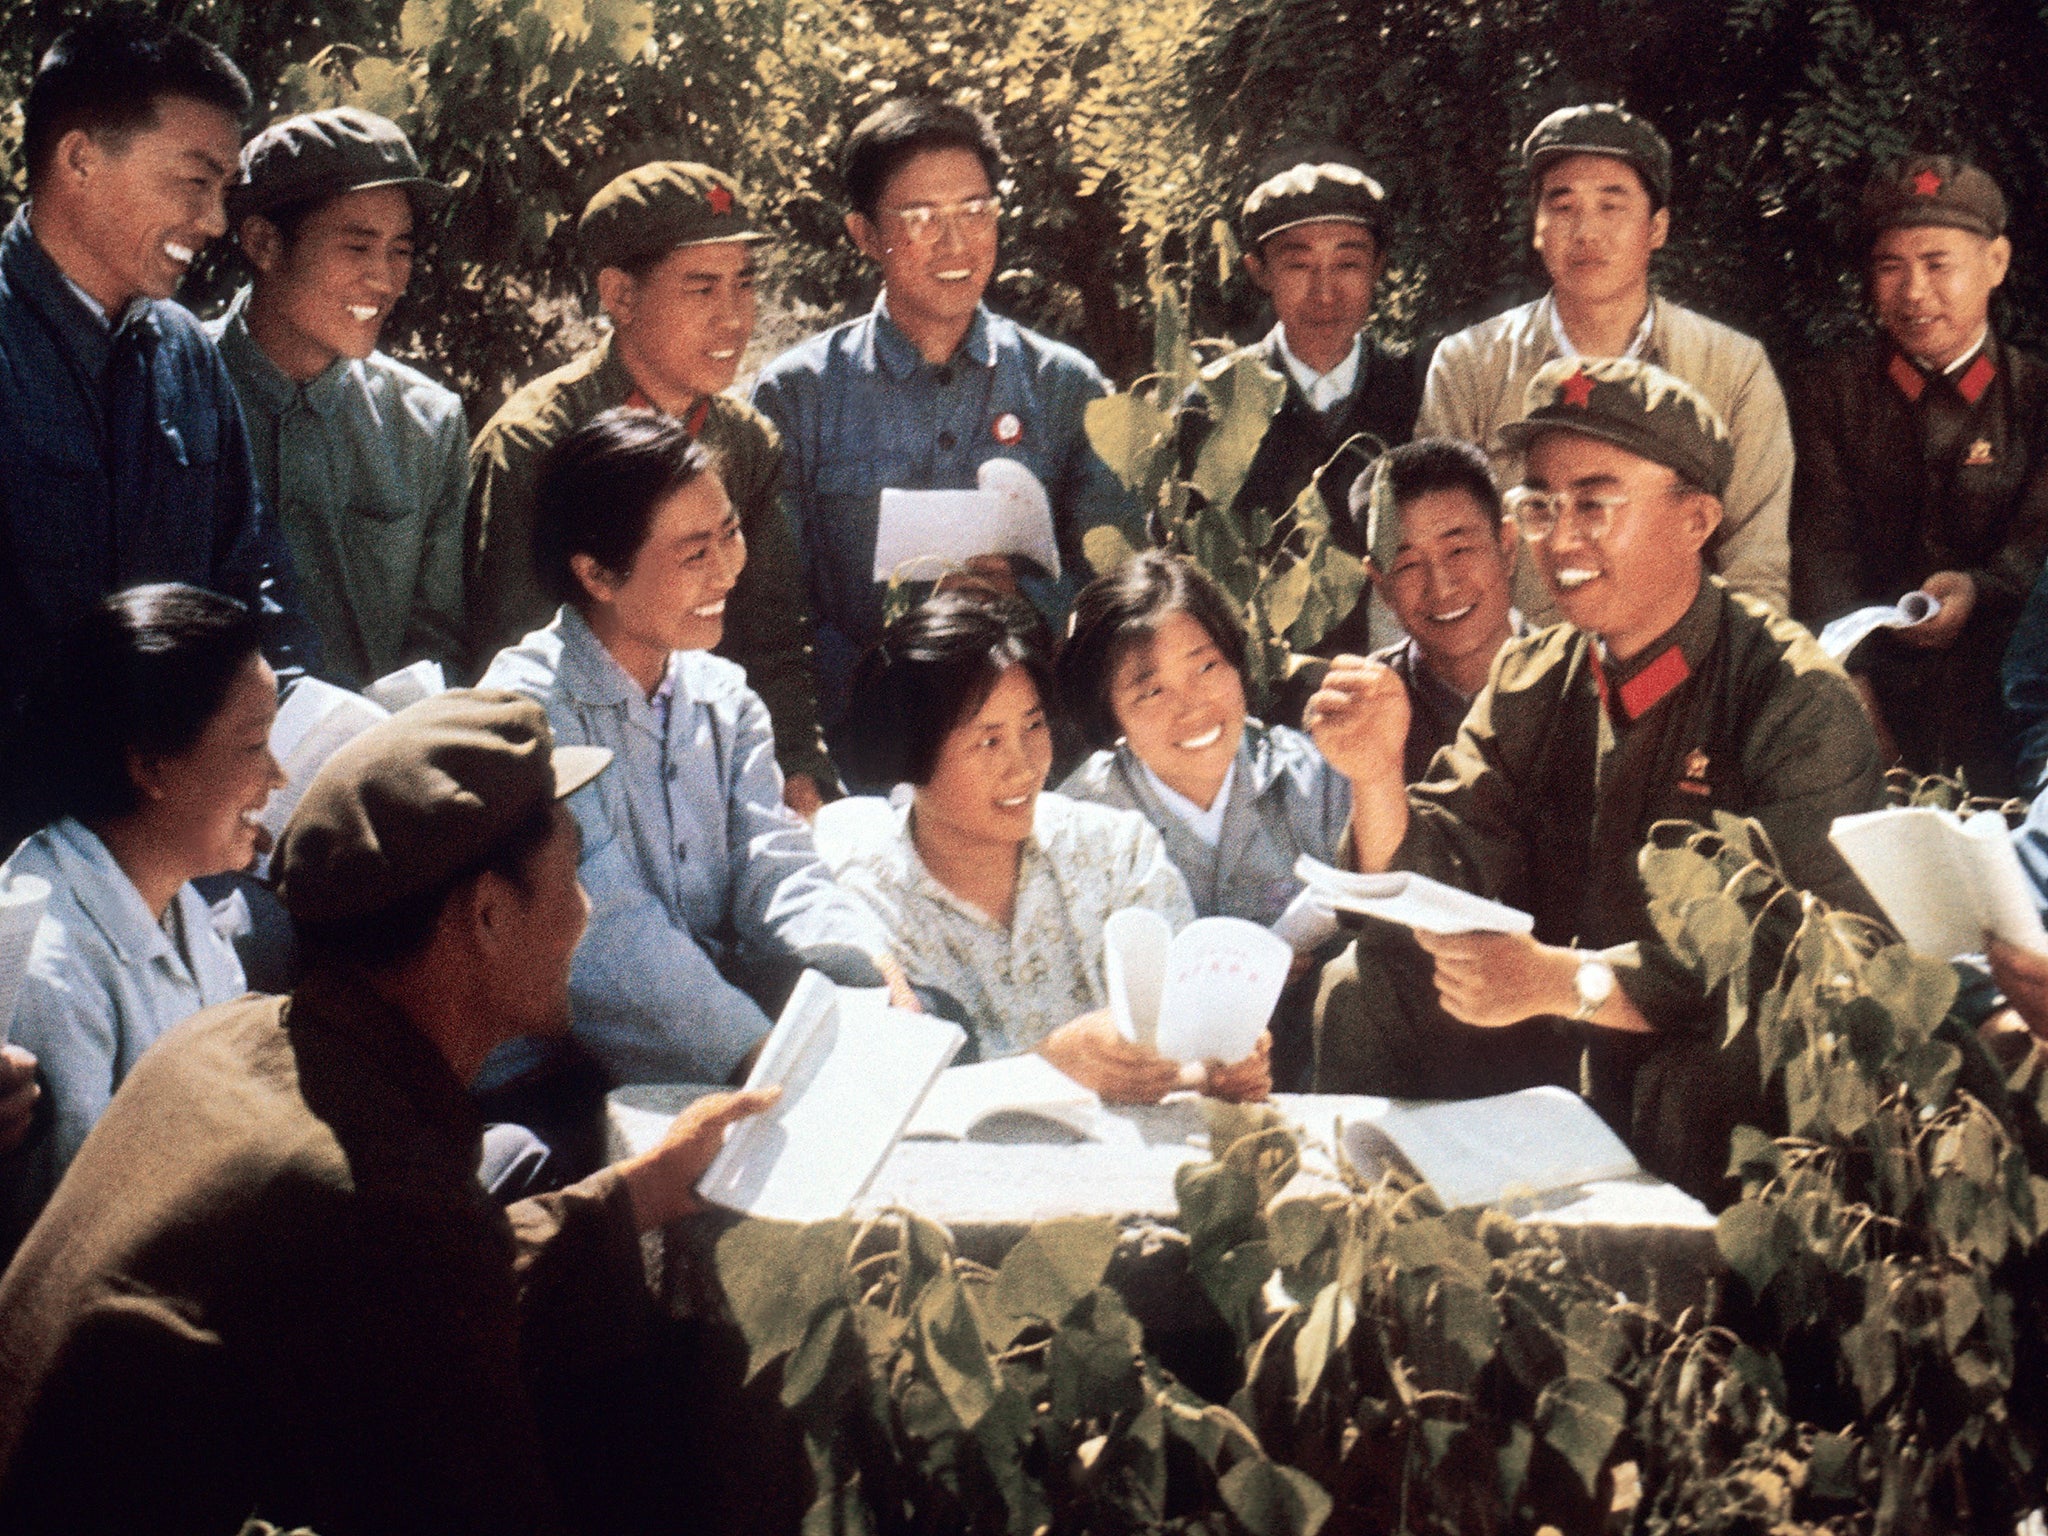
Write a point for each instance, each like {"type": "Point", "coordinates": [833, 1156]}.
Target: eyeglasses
{"type": "Point", "coordinates": [921, 221]}
{"type": "Point", "coordinates": [1537, 513]}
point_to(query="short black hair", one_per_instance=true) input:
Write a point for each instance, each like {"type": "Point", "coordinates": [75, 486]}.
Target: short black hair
{"type": "Point", "coordinates": [386, 939]}
{"type": "Point", "coordinates": [143, 672]}
{"type": "Point", "coordinates": [1425, 465]}
{"type": "Point", "coordinates": [598, 490]}
{"type": "Point", "coordinates": [931, 670]}
{"type": "Point", "coordinates": [1122, 609]}
{"type": "Point", "coordinates": [902, 127]}
{"type": "Point", "coordinates": [106, 75]}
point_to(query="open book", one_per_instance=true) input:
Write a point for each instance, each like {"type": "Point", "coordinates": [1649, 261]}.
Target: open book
{"type": "Point", "coordinates": [1205, 994]}
{"type": "Point", "coordinates": [1852, 629]}
{"type": "Point", "coordinates": [852, 1070]}
{"type": "Point", "coordinates": [407, 686]}
{"type": "Point", "coordinates": [23, 899]}
{"type": "Point", "coordinates": [1485, 1151]}
{"type": "Point", "coordinates": [1944, 882]}
{"type": "Point", "coordinates": [1009, 514]}
{"type": "Point", "coordinates": [1016, 1099]}
{"type": "Point", "coordinates": [1413, 901]}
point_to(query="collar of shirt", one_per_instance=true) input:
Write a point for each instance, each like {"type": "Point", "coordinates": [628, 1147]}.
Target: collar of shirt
{"type": "Point", "coordinates": [898, 354]}
{"type": "Point", "coordinates": [1322, 390]}
{"type": "Point", "coordinates": [592, 675]}
{"type": "Point", "coordinates": [1641, 683]}
{"type": "Point", "coordinates": [1636, 343]}
{"type": "Point", "coordinates": [277, 390]}
{"type": "Point", "coordinates": [1207, 825]}
{"type": "Point", "coordinates": [912, 873]}
{"type": "Point", "coordinates": [80, 323]}
{"type": "Point", "coordinates": [1968, 356]}
{"type": "Point", "coordinates": [104, 892]}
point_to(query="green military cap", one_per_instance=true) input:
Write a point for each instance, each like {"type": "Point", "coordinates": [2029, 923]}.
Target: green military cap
{"type": "Point", "coordinates": [1933, 189]}
{"type": "Point", "coordinates": [1633, 405]}
{"type": "Point", "coordinates": [1601, 128]}
{"type": "Point", "coordinates": [662, 207]}
{"type": "Point", "coordinates": [421, 798]}
{"type": "Point", "coordinates": [1318, 184]}
{"type": "Point", "coordinates": [318, 155]}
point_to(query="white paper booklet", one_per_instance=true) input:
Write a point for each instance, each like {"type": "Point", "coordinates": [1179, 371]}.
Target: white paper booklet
{"type": "Point", "coordinates": [1308, 921]}
{"type": "Point", "coordinates": [922, 532]}
{"type": "Point", "coordinates": [852, 1071]}
{"type": "Point", "coordinates": [1944, 882]}
{"type": "Point", "coordinates": [407, 686]}
{"type": "Point", "coordinates": [315, 721]}
{"type": "Point", "coordinates": [23, 900]}
{"type": "Point", "coordinates": [1413, 901]}
{"type": "Point", "coordinates": [1015, 1099]}
{"type": "Point", "coordinates": [1852, 629]}
{"type": "Point", "coordinates": [1205, 994]}
{"type": "Point", "coordinates": [1484, 1151]}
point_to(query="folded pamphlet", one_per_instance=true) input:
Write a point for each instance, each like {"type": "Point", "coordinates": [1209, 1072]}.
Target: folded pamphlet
{"type": "Point", "coordinates": [407, 686]}
{"type": "Point", "coordinates": [1852, 629]}
{"type": "Point", "coordinates": [23, 900]}
{"type": "Point", "coordinates": [1486, 1151]}
{"type": "Point", "coordinates": [1205, 994]}
{"type": "Point", "coordinates": [1944, 882]}
{"type": "Point", "coordinates": [920, 534]}
{"type": "Point", "coordinates": [852, 1071]}
{"type": "Point", "coordinates": [1413, 901]}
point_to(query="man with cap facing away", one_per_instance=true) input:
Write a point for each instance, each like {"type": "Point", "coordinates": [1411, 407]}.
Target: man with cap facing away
{"type": "Point", "coordinates": [1601, 181]}
{"type": "Point", "coordinates": [673, 249]}
{"type": "Point", "coordinates": [1314, 231]}
{"type": "Point", "coordinates": [1923, 464]}
{"type": "Point", "coordinates": [122, 454]}
{"type": "Point", "coordinates": [365, 459]}
{"type": "Point", "coordinates": [1665, 695]}
{"type": "Point", "coordinates": [270, 1281]}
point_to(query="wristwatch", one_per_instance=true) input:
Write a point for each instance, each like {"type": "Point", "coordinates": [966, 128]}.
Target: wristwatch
{"type": "Point", "coordinates": [1595, 984]}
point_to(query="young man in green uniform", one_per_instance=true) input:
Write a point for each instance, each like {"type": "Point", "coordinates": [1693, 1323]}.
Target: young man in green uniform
{"type": "Point", "coordinates": [673, 250]}
{"type": "Point", "coordinates": [1664, 696]}
{"type": "Point", "coordinates": [1923, 464]}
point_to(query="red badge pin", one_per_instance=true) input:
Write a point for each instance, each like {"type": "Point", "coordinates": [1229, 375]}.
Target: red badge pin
{"type": "Point", "coordinates": [1926, 184]}
{"type": "Point", "coordinates": [719, 199]}
{"type": "Point", "coordinates": [1008, 429]}
{"type": "Point", "coordinates": [1578, 390]}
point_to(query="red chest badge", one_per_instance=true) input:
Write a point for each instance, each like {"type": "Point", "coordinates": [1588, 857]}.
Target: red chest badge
{"type": "Point", "coordinates": [1008, 429]}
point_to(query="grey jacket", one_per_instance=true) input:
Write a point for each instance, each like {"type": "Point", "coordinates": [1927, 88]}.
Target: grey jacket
{"type": "Point", "coordinates": [1480, 376]}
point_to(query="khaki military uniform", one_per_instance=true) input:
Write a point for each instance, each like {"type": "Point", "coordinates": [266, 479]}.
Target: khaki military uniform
{"type": "Point", "coordinates": [767, 619]}
{"type": "Point", "coordinates": [1543, 802]}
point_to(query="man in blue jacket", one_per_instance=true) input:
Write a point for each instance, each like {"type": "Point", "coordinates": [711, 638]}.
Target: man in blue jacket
{"type": "Point", "coordinates": [122, 453]}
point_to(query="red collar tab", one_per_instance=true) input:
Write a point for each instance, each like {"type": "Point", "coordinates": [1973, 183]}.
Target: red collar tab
{"type": "Point", "coordinates": [1976, 379]}
{"type": "Point", "coordinates": [1911, 381]}
{"type": "Point", "coordinates": [637, 401]}
{"type": "Point", "coordinates": [692, 423]}
{"type": "Point", "coordinates": [1647, 689]}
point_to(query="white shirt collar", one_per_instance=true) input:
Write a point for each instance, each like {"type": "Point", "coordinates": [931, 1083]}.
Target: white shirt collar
{"type": "Point", "coordinates": [1969, 353]}
{"type": "Point", "coordinates": [1323, 390]}
{"type": "Point", "coordinates": [1207, 825]}
{"type": "Point", "coordinates": [1636, 343]}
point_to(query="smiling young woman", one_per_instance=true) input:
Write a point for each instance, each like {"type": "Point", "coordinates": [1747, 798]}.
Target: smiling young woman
{"type": "Point", "coordinates": [147, 751]}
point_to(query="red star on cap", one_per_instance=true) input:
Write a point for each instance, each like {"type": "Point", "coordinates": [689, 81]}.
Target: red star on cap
{"type": "Point", "coordinates": [719, 199]}
{"type": "Point", "coordinates": [1927, 183]}
{"type": "Point", "coordinates": [1578, 390]}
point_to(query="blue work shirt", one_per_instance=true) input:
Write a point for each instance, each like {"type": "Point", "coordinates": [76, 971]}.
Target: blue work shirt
{"type": "Point", "coordinates": [122, 460]}
{"type": "Point", "coordinates": [860, 409]}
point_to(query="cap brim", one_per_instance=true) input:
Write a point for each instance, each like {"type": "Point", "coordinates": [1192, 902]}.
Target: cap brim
{"type": "Point", "coordinates": [1936, 218]}
{"type": "Point", "coordinates": [1518, 435]}
{"type": "Point", "coordinates": [433, 196]}
{"type": "Point", "coordinates": [1369, 225]}
{"type": "Point", "coordinates": [576, 766]}
{"type": "Point", "coordinates": [429, 196]}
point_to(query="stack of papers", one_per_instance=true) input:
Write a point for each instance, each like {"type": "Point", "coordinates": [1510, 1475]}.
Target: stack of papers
{"type": "Point", "coordinates": [1413, 901]}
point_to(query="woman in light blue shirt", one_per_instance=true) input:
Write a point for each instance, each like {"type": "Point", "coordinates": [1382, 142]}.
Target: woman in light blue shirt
{"type": "Point", "coordinates": [148, 750]}
{"type": "Point", "coordinates": [1154, 668]}
{"type": "Point", "coordinates": [706, 892]}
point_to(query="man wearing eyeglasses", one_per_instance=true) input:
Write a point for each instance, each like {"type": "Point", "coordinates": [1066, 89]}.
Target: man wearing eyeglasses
{"type": "Point", "coordinates": [1665, 695]}
{"type": "Point", "coordinates": [927, 386]}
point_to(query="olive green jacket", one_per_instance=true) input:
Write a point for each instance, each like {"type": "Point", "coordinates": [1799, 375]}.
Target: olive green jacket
{"type": "Point", "coordinates": [767, 617]}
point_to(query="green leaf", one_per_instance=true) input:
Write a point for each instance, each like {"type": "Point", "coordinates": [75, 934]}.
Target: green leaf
{"type": "Point", "coordinates": [776, 1276]}
{"type": "Point", "coordinates": [1284, 595]}
{"type": "Point", "coordinates": [1244, 394]}
{"type": "Point", "coordinates": [1432, 1244]}
{"type": "Point", "coordinates": [1755, 1240]}
{"type": "Point", "coordinates": [953, 1351]}
{"type": "Point", "coordinates": [1130, 434]}
{"type": "Point", "coordinates": [812, 1360]}
{"type": "Point", "coordinates": [1325, 1333]}
{"type": "Point", "coordinates": [1917, 991]}
{"type": "Point", "coordinates": [1271, 1500]}
{"type": "Point", "coordinates": [1054, 1266]}
{"type": "Point", "coordinates": [1511, 1460]}
{"type": "Point", "coordinates": [1580, 1419]}
{"type": "Point", "coordinates": [1753, 1155]}
{"type": "Point", "coordinates": [1831, 1467]}
{"type": "Point", "coordinates": [1873, 1360]}
{"type": "Point", "coordinates": [626, 27]}
{"type": "Point", "coordinates": [1296, 1228]}
{"type": "Point", "coordinates": [1105, 548]}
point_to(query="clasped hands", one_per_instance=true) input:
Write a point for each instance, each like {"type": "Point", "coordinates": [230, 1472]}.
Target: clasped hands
{"type": "Point", "coordinates": [1093, 1052]}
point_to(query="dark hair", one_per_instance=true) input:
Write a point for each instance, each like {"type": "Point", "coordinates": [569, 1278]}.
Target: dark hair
{"type": "Point", "coordinates": [289, 218]}
{"type": "Point", "coordinates": [1425, 465]}
{"type": "Point", "coordinates": [106, 75]}
{"type": "Point", "coordinates": [932, 669]}
{"type": "Point", "coordinates": [902, 127]}
{"type": "Point", "coordinates": [598, 490]}
{"type": "Point", "coordinates": [386, 939]}
{"type": "Point", "coordinates": [142, 671]}
{"type": "Point", "coordinates": [1536, 179]}
{"type": "Point", "coordinates": [1122, 609]}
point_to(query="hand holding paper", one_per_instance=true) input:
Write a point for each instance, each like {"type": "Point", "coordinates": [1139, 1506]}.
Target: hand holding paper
{"type": "Point", "coordinates": [1852, 629]}
{"type": "Point", "coordinates": [1205, 995]}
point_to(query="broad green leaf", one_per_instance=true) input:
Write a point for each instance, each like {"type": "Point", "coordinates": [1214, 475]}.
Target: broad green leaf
{"type": "Point", "coordinates": [1752, 1154]}
{"type": "Point", "coordinates": [1831, 1467]}
{"type": "Point", "coordinates": [1755, 1240]}
{"type": "Point", "coordinates": [1337, 583]}
{"type": "Point", "coordinates": [1130, 434]}
{"type": "Point", "coordinates": [812, 1359]}
{"type": "Point", "coordinates": [776, 1276]}
{"type": "Point", "coordinates": [1761, 1371]}
{"type": "Point", "coordinates": [1917, 991]}
{"type": "Point", "coordinates": [1105, 548]}
{"type": "Point", "coordinates": [1929, 1069]}
{"type": "Point", "coordinates": [422, 24]}
{"type": "Point", "coordinates": [567, 17]}
{"type": "Point", "coordinates": [1511, 1459]}
{"type": "Point", "coordinates": [627, 27]}
{"type": "Point", "coordinates": [953, 1352]}
{"type": "Point", "coordinates": [1005, 1434]}
{"type": "Point", "coordinates": [1243, 396]}
{"type": "Point", "coordinates": [1296, 1228]}
{"type": "Point", "coordinates": [1054, 1266]}
{"type": "Point", "coordinates": [1873, 1360]}
{"type": "Point", "coordinates": [1432, 1244]}
{"type": "Point", "coordinates": [1284, 595]}
{"type": "Point", "coordinates": [1271, 1500]}
{"type": "Point", "coordinates": [1579, 1418]}
{"type": "Point", "coordinates": [1453, 1335]}
{"type": "Point", "coordinates": [1325, 1333]}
